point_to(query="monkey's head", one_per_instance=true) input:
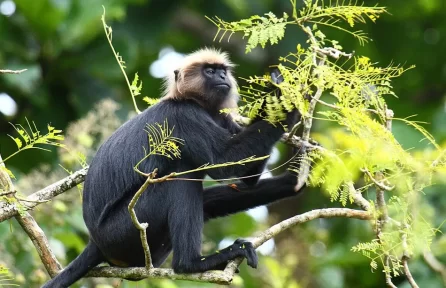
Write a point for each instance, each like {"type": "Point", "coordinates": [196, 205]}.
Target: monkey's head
{"type": "Point", "coordinates": [206, 77]}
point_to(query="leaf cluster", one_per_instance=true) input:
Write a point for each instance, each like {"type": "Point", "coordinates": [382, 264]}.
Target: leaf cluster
{"type": "Point", "coordinates": [350, 92]}
{"type": "Point", "coordinates": [33, 139]}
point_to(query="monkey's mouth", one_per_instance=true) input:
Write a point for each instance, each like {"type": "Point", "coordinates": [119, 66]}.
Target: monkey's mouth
{"type": "Point", "coordinates": [222, 86]}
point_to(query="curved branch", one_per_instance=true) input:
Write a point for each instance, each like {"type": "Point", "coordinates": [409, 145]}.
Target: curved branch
{"type": "Point", "coordinates": [308, 216]}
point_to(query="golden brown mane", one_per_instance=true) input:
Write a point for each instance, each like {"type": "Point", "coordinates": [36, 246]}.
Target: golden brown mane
{"type": "Point", "coordinates": [190, 81]}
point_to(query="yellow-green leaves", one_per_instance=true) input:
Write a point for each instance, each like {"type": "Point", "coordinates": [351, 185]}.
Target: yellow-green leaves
{"type": "Point", "coordinates": [150, 101]}
{"type": "Point", "coordinates": [32, 139]}
{"type": "Point", "coordinates": [332, 13]}
{"type": "Point", "coordinates": [258, 29]}
{"type": "Point", "coordinates": [135, 89]}
{"type": "Point", "coordinates": [161, 142]}
{"type": "Point", "coordinates": [6, 278]}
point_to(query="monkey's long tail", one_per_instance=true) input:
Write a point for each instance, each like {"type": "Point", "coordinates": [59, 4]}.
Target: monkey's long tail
{"type": "Point", "coordinates": [88, 259]}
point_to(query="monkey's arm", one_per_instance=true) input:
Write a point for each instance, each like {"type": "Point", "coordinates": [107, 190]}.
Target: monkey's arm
{"type": "Point", "coordinates": [222, 200]}
{"type": "Point", "coordinates": [209, 143]}
{"type": "Point", "coordinates": [235, 128]}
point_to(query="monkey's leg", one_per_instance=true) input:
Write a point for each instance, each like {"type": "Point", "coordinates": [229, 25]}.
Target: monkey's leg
{"type": "Point", "coordinates": [185, 222]}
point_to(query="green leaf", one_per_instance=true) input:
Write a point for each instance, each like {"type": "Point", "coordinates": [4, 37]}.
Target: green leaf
{"type": "Point", "coordinates": [18, 142]}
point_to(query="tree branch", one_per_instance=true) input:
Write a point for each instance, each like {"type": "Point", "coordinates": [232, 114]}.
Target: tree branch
{"type": "Point", "coordinates": [358, 198]}
{"type": "Point", "coordinates": [9, 210]}
{"type": "Point", "coordinates": [225, 277]}
{"type": "Point", "coordinates": [139, 273]}
{"type": "Point", "coordinates": [40, 241]}
{"type": "Point", "coordinates": [382, 208]}
{"type": "Point", "coordinates": [33, 230]}
{"type": "Point", "coordinates": [319, 57]}
{"type": "Point", "coordinates": [142, 227]}
{"type": "Point", "coordinates": [380, 185]}
{"type": "Point", "coordinates": [435, 264]}
{"type": "Point", "coordinates": [412, 282]}
{"type": "Point", "coordinates": [308, 216]}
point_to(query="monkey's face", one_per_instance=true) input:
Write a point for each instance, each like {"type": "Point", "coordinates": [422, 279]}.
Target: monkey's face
{"type": "Point", "coordinates": [217, 83]}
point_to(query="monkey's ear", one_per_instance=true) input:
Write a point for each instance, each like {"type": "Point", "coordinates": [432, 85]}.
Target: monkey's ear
{"type": "Point", "coordinates": [176, 74]}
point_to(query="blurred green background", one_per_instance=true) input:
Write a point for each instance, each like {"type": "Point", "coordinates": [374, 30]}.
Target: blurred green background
{"type": "Point", "coordinates": [74, 83]}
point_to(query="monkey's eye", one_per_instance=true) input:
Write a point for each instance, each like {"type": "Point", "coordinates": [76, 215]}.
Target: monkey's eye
{"type": "Point", "coordinates": [210, 71]}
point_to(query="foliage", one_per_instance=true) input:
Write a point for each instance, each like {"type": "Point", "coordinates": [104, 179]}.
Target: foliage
{"type": "Point", "coordinates": [33, 139]}
{"type": "Point", "coordinates": [260, 30]}
{"type": "Point", "coordinates": [5, 278]}
{"type": "Point", "coordinates": [161, 142]}
{"type": "Point", "coordinates": [70, 70]}
{"type": "Point", "coordinates": [134, 87]}
{"type": "Point", "coordinates": [362, 143]}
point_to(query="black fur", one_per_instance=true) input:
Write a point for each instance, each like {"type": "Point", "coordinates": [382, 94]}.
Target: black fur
{"type": "Point", "coordinates": [175, 210]}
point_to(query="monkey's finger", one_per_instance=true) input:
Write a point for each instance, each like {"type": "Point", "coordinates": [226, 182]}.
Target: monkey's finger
{"type": "Point", "coordinates": [251, 257]}
{"type": "Point", "coordinates": [276, 77]}
{"type": "Point", "coordinates": [239, 241]}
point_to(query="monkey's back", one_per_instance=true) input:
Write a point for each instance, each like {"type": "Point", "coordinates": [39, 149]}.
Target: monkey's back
{"type": "Point", "coordinates": [111, 182]}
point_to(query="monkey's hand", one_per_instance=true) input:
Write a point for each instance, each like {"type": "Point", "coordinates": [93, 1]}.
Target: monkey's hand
{"type": "Point", "coordinates": [242, 248]}
{"type": "Point", "coordinates": [292, 117]}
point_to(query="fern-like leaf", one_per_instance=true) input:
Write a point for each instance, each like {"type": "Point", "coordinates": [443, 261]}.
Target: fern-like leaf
{"type": "Point", "coordinates": [161, 142]}
{"type": "Point", "coordinates": [32, 139]}
{"type": "Point", "coordinates": [258, 29]}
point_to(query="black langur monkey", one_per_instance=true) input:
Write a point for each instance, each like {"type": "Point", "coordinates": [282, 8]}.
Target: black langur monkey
{"type": "Point", "coordinates": [176, 210]}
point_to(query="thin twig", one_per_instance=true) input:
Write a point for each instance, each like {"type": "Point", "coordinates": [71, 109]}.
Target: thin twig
{"type": "Point", "coordinates": [332, 52]}
{"type": "Point", "coordinates": [382, 208]}
{"type": "Point", "coordinates": [142, 227]}
{"type": "Point", "coordinates": [389, 282]}
{"type": "Point", "coordinates": [357, 197]}
{"type": "Point", "coordinates": [308, 216]}
{"type": "Point", "coordinates": [376, 182]}
{"type": "Point", "coordinates": [294, 129]}
{"type": "Point", "coordinates": [8, 193]}
{"type": "Point", "coordinates": [6, 71]}
{"type": "Point", "coordinates": [304, 169]}
{"type": "Point", "coordinates": [299, 219]}
{"type": "Point", "coordinates": [412, 282]}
